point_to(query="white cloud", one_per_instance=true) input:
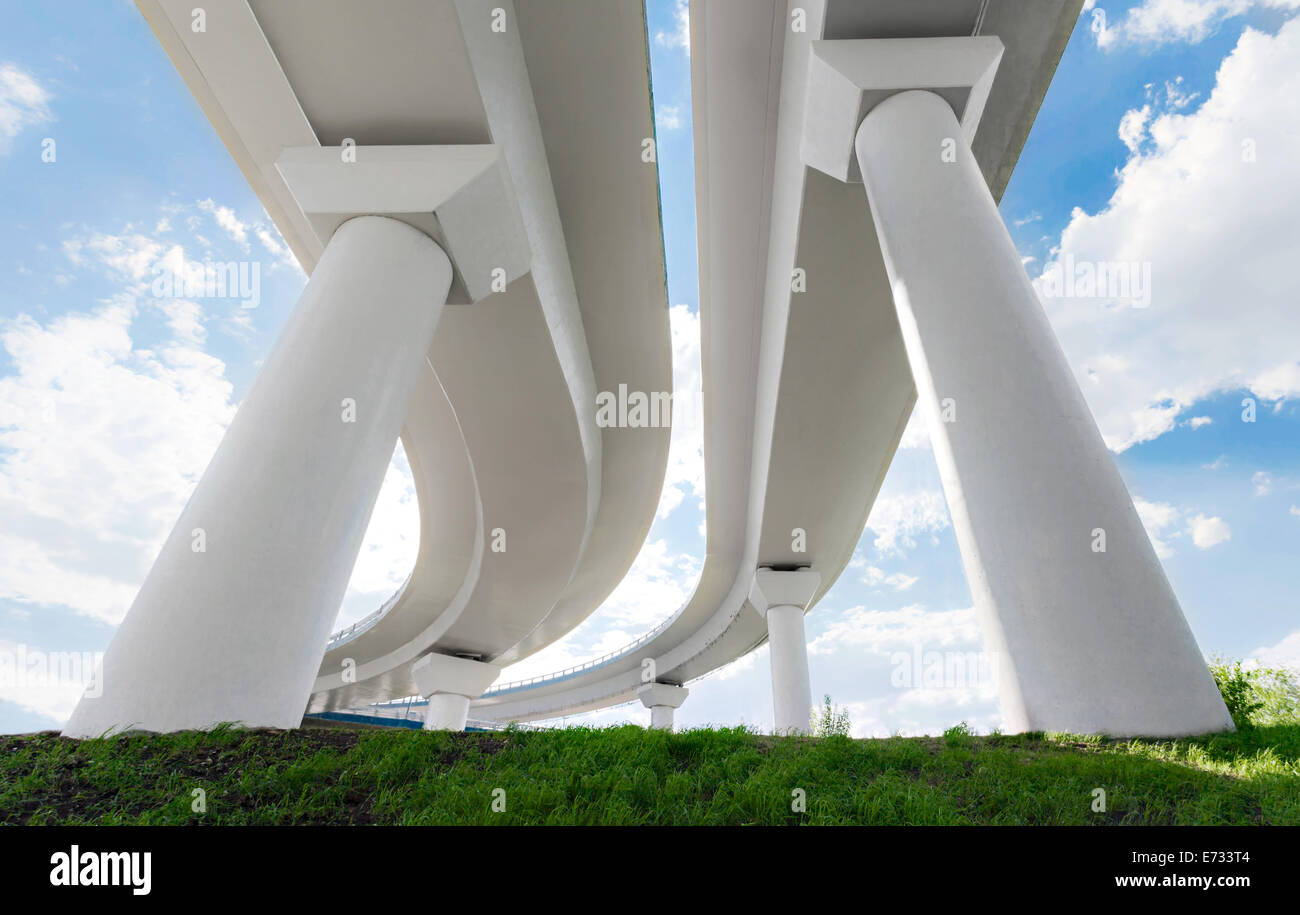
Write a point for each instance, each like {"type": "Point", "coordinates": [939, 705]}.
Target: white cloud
{"type": "Point", "coordinates": [898, 518]}
{"type": "Point", "coordinates": [1207, 532]}
{"type": "Point", "coordinates": [870, 658]}
{"type": "Point", "coordinates": [680, 36]}
{"type": "Point", "coordinates": [23, 103]}
{"type": "Point", "coordinates": [1197, 422]}
{"type": "Point", "coordinates": [915, 433]}
{"type": "Point", "coordinates": [1164, 522]}
{"type": "Point", "coordinates": [42, 682]}
{"type": "Point", "coordinates": [1142, 367]}
{"type": "Point", "coordinates": [1285, 653]}
{"type": "Point", "coordinates": [669, 117]}
{"type": "Point", "coordinates": [239, 231]}
{"type": "Point", "coordinates": [131, 255]}
{"type": "Point", "coordinates": [1156, 22]}
{"type": "Point", "coordinates": [102, 442]}
{"type": "Point", "coordinates": [658, 584]}
{"type": "Point", "coordinates": [1176, 96]}
{"type": "Point", "coordinates": [185, 319]}
{"type": "Point", "coordinates": [1281, 381]}
{"type": "Point", "coordinates": [1158, 518]}
{"type": "Point", "coordinates": [225, 218]}
{"type": "Point", "coordinates": [46, 573]}
{"type": "Point", "coordinates": [102, 439]}
{"type": "Point", "coordinates": [921, 712]}
{"type": "Point", "coordinates": [746, 663]}
{"type": "Point", "coordinates": [1262, 480]}
{"type": "Point", "coordinates": [390, 546]}
{"type": "Point", "coordinates": [885, 631]}
{"type": "Point", "coordinates": [685, 471]}
{"type": "Point", "coordinates": [899, 581]}
{"type": "Point", "coordinates": [901, 651]}
{"type": "Point", "coordinates": [271, 241]}
{"type": "Point", "coordinates": [1133, 126]}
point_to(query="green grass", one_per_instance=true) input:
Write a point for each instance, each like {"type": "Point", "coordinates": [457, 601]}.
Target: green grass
{"type": "Point", "coordinates": [632, 776]}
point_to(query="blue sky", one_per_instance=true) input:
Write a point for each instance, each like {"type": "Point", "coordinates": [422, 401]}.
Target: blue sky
{"type": "Point", "coordinates": [112, 399]}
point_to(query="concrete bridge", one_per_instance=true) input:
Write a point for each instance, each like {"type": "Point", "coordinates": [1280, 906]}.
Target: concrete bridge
{"type": "Point", "coordinates": [466, 183]}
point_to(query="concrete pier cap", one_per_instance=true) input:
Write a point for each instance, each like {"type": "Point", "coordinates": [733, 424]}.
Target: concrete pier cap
{"type": "Point", "coordinates": [460, 196]}
{"type": "Point", "coordinates": [662, 699]}
{"type": "Point", "coordinates": [665, 694]}
{"type": "Point", "coordinates": [775, 588]}
{"type": "Point", "coordinates": [449, 683]}
{"type": "Point", "coordinates": [847, 78]}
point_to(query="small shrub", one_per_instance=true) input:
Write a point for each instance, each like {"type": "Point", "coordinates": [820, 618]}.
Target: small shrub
{"type": "Point", "coordinates": [1277, 690]}
{"type": "Point", "coordinates": [958, 735]}
{"type": "Point", "coordinates": [1260, 695]}
{"type": "Point", "coordinates": [829, 721]}
{"type": "Point", "coordinates": [1238, 690]}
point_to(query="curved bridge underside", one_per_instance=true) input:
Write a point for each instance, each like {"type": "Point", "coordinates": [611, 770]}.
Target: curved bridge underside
{"type": "Point", "coordinates": [517, 132]}
{"type": "Point", "coordinates": [806, 392]}
{"type": "Point", "coordinates": [500, 434]}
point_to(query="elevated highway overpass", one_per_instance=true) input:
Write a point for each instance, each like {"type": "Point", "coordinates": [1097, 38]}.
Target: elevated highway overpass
{"type": "Point", "coordinates": [465, 183]}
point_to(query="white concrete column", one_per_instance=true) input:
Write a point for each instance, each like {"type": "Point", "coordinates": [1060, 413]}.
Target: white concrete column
{"type": "Point", "coordinates": [661, 717]}
{"type": "Point", "coordinates": [788, 650]}
{"type": "Point", "coordinates": [1087, 641]}
{"type": "Point", "coordinates": [781, 598]}
{"type": "Point", "coordinates": [232, 620]}
{"type": "Point", "coordinates": [450, 684]}
{"type": "Point", "coordinates": [662, 699]}
{"type": "Point", "coordinates": [446, 712]}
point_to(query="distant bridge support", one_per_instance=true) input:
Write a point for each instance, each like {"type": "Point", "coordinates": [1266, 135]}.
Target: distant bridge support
{"type": "Point", "coordinates": [661, 699]}
{"type": "Point", "coordinates": [782, 598]}
{"type": "Point", "coordinates": [450, 684]}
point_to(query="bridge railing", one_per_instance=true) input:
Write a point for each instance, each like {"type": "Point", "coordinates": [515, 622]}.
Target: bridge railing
{"type": "Point", "coordinates": [361, 625]}
{"type": "Point", "coordinates": [369, 620]}
{"type": "Point", "coordinates": [398, 711]}
{"type": "Point", "coordinates": [579, 668]}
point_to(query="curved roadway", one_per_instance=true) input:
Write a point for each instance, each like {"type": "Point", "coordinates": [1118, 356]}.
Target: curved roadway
{"type": "Point", "coordinates": [806, 393]}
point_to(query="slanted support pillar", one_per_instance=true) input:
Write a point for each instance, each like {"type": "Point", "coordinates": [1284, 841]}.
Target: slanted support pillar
{"type": "Point", "coordinates": [450, 684]}
{"type": "Point", "coordinates": [782, 598]}
{"type": "Point", "coordinates": [232, 620]}
{"type": "Point", "coordinates": [1089, 634]}
{"type": "Point", "coordinates": [1071, 598]}
{"type": "Point", "coordinates": [661, 699]}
